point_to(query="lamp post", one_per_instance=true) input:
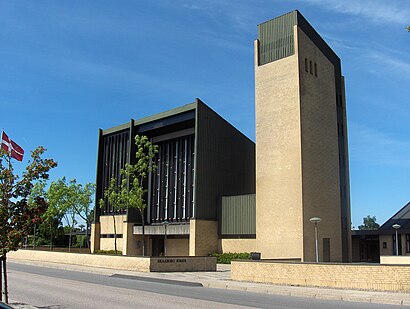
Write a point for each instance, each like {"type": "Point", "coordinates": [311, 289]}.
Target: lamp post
{"type": "Point", "coordinates": [315, 221]}
{"type": "Point", "coordinates": [165, 223]}
{"type": "Point", "coordinates": [396, 227]}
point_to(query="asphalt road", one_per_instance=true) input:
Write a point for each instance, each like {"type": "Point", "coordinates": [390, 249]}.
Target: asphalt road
{"type": "Point", "coordinates": [56, 289]}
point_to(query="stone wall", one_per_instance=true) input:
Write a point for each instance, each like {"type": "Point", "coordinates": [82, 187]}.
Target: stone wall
{"type": "Point", "coordinates": [94, 260]}
{"type": "Point", "coordinates": [142, 264]}
{"type": "Point", "coordinates": [392, 259]}
{"type": "Point", "coordinates": [345, 276]}
{"type": "Point", "coordinates": [203, 237]}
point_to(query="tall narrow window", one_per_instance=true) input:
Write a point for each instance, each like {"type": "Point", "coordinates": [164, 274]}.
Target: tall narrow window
{"type": "Point", "coordinates": [306, 65]}
{"type": "Point", "coordinates": [394, 244]}
{"type": "Point", "coordinates": [315, 69]}
{"type": "Point", "coordinates": [408, 243]}
{"type": "Point", "coordinates": [311, 66]}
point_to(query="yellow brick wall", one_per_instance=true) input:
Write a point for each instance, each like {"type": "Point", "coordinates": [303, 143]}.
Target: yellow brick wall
{"type": "Point", "coordinates": [278, 159]}
{"type": "Point", "coordinates": [238, 245]}
{"type": "Point", "coordinates": [345, 276]}
{"type": "Point", "coordinates": [392, 259]}
{"type": "Point", "coordinates": [203, 237]}
{"type": "Point", "coordinates": [297, 155]}
{"type": "Point", "coordinates": [320, 151]}
{"type": "Point", "coordinates": [177, 247]}
{"type": "Point", "coordinates": [107, 227]}
{"type": "Point", "coordinates": [107, 224]}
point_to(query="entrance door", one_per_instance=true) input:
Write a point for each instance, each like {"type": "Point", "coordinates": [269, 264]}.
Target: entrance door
{"type": "Point", "coordinates": [158, 246]}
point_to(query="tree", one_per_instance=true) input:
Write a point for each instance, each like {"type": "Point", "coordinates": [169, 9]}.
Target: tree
{"type": "Point", "coordinates": [82, 205]}
{"type": "Point", "coordinates": [114, 197]}
{"type": "Point", "coordinates": [369, 223]}
{"type": "Point", "coordinates": [71, 199]}
{"type": "Point", "coordinates": [37, 190]}
{"type": "Point", "coordinates": [129, 192]}
{"type": "Point", "coordinates": [408, 28]}
{"type": "Point", "coordinates": [136, 175]}
{"type": "Point", "coordinates": [17, 215]}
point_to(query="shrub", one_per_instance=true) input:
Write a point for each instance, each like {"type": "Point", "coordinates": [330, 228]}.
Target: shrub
{"type": "Point", "coordinates": [112, 252]}
{"type": "Point", "coordinates": [226, 258]}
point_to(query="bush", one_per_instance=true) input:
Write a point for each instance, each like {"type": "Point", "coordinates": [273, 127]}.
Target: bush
{"type": "Point", "coordinates": [112, 252]}
{"type": "Point", "coordinates": [226, 258]}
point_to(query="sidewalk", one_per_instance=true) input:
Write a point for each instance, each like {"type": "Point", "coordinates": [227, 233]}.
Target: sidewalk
{"type": "Point", "coordinates": [221, 280]}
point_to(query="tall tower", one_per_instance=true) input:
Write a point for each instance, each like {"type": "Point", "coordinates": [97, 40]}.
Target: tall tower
{"type": "Point", "coordinates": [301, 143]}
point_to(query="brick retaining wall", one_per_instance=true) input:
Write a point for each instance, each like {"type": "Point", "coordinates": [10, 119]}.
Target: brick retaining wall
{"type": "Point", "coordinates": [349, 276]}
{"type": "Point", "coordinates": [143, 264]}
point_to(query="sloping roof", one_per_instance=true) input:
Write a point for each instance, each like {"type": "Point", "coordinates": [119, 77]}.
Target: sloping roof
{"type": "Point", "coordinates": [402, 217]}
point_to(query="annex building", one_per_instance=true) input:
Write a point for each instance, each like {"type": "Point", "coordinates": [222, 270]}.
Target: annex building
{"type": "Point", "coordinates": [217, 191]}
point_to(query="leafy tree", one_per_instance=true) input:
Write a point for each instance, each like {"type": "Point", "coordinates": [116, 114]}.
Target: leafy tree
{"type": "Point", "coordinates": [70, 199]}
{"type": "Point", "coordinates": [129, 192]}
{"type": "Point", "coordinates": [17, 215]}
{"type": "Point", "coordinates": [136, 175]}
{"type": "Point", "coordinates": [408, 28]}
{"type": "Point", "coordinates": [37, 190]}
{"type": "Point", "coordinates": [51, 228]}
{"type": "Point", "coordinates": [82, 205]}
{"type": "Point", "coordinates": [369, 223]}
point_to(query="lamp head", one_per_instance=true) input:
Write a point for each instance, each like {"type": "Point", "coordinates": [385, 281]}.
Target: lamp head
{"type": "Point", "coordinates": [315, 220]}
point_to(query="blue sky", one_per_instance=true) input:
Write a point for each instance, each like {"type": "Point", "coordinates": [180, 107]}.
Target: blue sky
{"type": "Point", "coordinates": [68, 68]}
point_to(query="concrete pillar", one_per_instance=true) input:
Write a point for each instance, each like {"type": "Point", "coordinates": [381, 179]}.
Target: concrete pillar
{"type": "Point", "coordinates": [95, 237]}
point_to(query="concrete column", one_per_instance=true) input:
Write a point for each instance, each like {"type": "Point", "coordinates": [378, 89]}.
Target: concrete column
{"type": "Point", "coordinates": [95, 237]}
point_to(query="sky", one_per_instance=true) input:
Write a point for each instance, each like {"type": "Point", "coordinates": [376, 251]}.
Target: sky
{"type": "Point", "coordinates": [68, 68]}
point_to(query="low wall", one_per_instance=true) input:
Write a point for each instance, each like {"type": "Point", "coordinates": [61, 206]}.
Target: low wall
{"type": "Point", "coordinates": [142, 264]}
{"type": "Point", "coordinates": [348, 276]}
{"type": "Point", "coordinates": [392, 259]}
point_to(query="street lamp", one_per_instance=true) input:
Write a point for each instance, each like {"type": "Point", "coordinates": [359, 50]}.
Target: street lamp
{"type": "Point", "coordinates": [315, 221]}
{"type": "Point", "coordinates": [396, 227]}
{"type": "Point", "coordinates": [165, 223]}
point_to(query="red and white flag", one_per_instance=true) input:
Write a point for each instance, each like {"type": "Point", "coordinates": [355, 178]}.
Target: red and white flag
{"type": "Point", "coordinates": [14, 150]}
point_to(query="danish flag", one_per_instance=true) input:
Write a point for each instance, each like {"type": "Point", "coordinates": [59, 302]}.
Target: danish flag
{"type": "Point", "coordinates": [14, 150]}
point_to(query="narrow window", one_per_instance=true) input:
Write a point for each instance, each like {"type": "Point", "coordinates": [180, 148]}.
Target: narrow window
{"type": "Point", "coordinates": [326, 249]}
{"type": "Point", "coordinates": [394, 244]}
{"type": "Point", "coordinates": [315, 69]}
{"type": "Point", "coordinates": [408, 243]}
{"type": "Point", "coordinates": [311, 66]}
{"type": "Point", "coordinates": [384, 245]}
{"type": "Point", "coordinates": [306, 65]}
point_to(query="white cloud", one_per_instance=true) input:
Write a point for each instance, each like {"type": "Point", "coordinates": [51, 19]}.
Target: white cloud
{"type": "Point", "coordinates": [370, 146]}
{"type": "Point", "coordinates": [378, 11]}
{"type": "Point", "coordinates": [399, 66]}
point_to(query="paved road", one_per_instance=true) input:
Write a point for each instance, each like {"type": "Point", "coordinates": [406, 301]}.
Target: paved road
{"type": "Point", "coordinates": [56, 289]}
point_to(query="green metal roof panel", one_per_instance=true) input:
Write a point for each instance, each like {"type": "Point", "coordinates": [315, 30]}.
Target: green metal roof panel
{"type": "Point", "coordinates": [276, 38]}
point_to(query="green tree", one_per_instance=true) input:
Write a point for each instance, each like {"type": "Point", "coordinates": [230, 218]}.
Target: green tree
{"type": "Point", "coordinates": [369, 223]}
{"type": "Point", "coordinates": [82, 204]}
{"type": "Point", "coordinates": [60, 204]}
{"type": "Point", "coordinates": [37, 190]}
{"type": "Point", "coordinates": [408, 28]}
{"type": "Point", "coordinates": [129, 192]}
{"type": "Point", "coordinates": [71, 199]}
{"type": "Point", "coordinates": [17, 215]}
{"type": "Point", "coordinates": [136, 175]}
